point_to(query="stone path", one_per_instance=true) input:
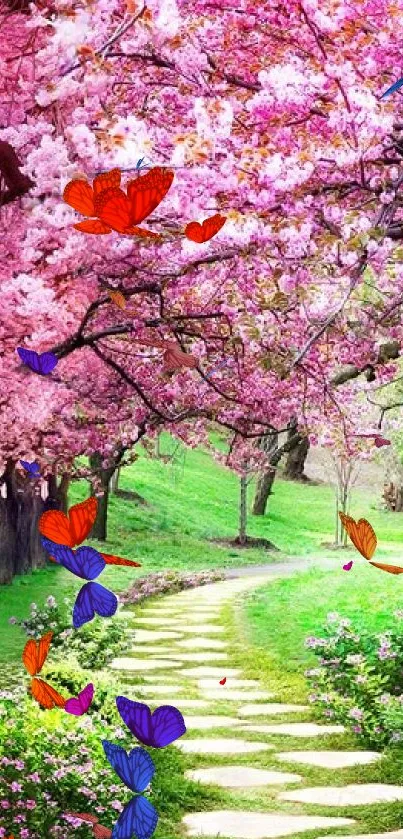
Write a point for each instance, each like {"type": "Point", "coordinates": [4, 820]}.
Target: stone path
{"type": "Point", "coordinates": [240, 720]}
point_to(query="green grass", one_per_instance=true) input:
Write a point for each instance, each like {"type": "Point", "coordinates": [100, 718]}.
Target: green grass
{"type": "Point", "coordinates": [191, 505]}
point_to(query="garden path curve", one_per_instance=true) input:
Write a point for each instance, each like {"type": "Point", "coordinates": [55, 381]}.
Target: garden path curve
{"type": "Point", "coordinates": [240, 737]}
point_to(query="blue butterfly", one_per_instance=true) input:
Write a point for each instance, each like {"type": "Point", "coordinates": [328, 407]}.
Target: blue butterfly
{"type": "Point", "coordinates": [43, 363]}
{"type": "Point", "coordinates": [88, 564]}
{"type": "Point", "coordinates": [392, 88]}
{"type": "Point", "coordinates": [136, 769]}
{"type": "Point", "coordinates": [139, 162]}
{"type": "Point", "coordinates": [33, 468]}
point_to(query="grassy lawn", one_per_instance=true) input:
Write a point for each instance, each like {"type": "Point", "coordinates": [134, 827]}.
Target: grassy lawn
{"type": "Point", "coordinates": [190, 505]}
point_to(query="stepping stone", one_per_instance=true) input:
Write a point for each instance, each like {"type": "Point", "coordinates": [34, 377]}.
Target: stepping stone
{"type": "Point", "coordinates": [330, 760]}
{"type": "Point", "coordinates": [396, 834]}
{"type": "Point", "coordinates": [211, 684]}
{"type": "Point", "coordinates": [241, 776]}
{"type": "Point", "coordinates": [211, 721]}
{"type": "Point", "coordinates": [207, 643]}
{"type": "Point", "coordinates": [201, 657]}
{"type": "Point", "coordinates": [142, 664]}
{"type": "Point", "coordinates": [353, 795]}
{"type": "Point", "coordinates": [179, 703]}
{"type": "Point", "coordinates": [270, 708]}
{"type": "Point", "coordinates": [150, 650]}
{"type": "Point", "coordinates": [144, 635]}
{"type": "Point", "coordinates": [238, 824]}
{"type": "Point", "coordinates": [218, 672]}
{"type": "Point", "coordinates": [159, 689]}
{"type": "Point", "coordinates": [221, 746]}
{"type": "Point", "coordinates": [204, 627]}
{"type": "Point", "coordinates": [228, 695]}
{"type": "Point", "coordinates": [152, 621]}
{"type": "Point", "coordinates": [297, 729]}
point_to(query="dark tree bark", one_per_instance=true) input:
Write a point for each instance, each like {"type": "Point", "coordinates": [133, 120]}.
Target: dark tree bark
{"type": "Point", "coordinates": [265, 479]}
{"type": "Point", "coordinates": [243, 510]}
{"type": "Point", "coordinates": [21, 548]}
{"type": "Point", "coordinates": [100, 529]}
{"type": "Point", "coordinates": [17, 184]}
{"type": "Point", "coordinates": [294, 468]}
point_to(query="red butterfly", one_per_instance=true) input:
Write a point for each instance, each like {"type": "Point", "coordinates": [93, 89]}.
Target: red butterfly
{"type": "Point", "coordinates": [114, 210]}
{"type": "Point", "coordinates": [71, 530]}
{"type": "Point", "coordinates": [203, 232]}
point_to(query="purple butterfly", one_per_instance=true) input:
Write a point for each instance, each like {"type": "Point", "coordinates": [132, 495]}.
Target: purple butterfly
{"type": "Point", "coordinates": [79, 705]}
{"type": "Point", "coordinates": [33, 468]}
{"type": "Point", "coordinates": [42, 363]}
{"type": "Point", "coordinates": [88, 564]}
{"type": "Point", "coordinates": [159, 729]}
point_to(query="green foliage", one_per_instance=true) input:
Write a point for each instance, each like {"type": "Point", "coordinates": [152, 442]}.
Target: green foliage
{"type": "Point", "coordinates": [93, 645]}
{"type": "Point", "coordinates": [359, 678]}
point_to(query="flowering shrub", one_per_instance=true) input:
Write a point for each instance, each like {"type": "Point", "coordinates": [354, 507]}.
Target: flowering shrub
{"type": "Point", "coordinates": [93, 645]}
{"type": "Point", "coordinates": [359, 679]}
{"type": "Point", "coordinates": [168, 581]}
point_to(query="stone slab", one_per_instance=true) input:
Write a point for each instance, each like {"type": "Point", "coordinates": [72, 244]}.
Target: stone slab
{"type": "Point", "coordinates": [241, 776]}
{"type": "Point", "coordinates": [143, 636]}
{"type": "Point", "coordinates": [228, 695]}
{"type": "Point", "coordinates": [238, 824]}
{"type": "Point", "coordinates": [211, 628]}
{"type": "Point", "coordinates": [178, 702]}
{"type": "Point", "coordinates": [330, 760]}
{"type": "Point", "coordinates": [270, 708]}
{"type": "Point", "coordinates": [211, 721]}
{"type": "Point", "coordinates": [353, 795]}
{"type": "Point", "coordinates": [220, 746]}
{"type": "Point", "coordinates": [142, 664]}
{"type": "Point", "coordinates": [154, 689]}
{"type": "Point", "coordinates": [201, 656]}
{"type": "Point", "coordinates": [296, 729]}
{"type": "Point", "coordinates": [211, 684]}
{"type": "Point", "coordinates": [151, 650]}
{"type": "Point", "coordinates": [154, 621]}
{"type": "Point", "coordinates": [210, 670]}
{"type": "Point", "coordinates": [198, 643]}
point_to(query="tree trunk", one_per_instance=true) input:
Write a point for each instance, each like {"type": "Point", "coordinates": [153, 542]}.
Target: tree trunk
{"type": "Point", "coordinates": [265, 479]}
{"type": "Point", "coordinates": [100, 529]}
{"type": "Point", "coordinates": [294, 468]}
{"type": "Point", "coordinates": [243, 510]}
{"type": "Point", "coordinates": [21, 506]}
{"type": "Point", "coordinates": [114, 481]}
{"type": "Point", "coordinates": [263, 490]}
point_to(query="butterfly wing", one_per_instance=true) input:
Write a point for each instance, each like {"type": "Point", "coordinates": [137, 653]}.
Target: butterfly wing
{"type": "Point", "coordinates": [35, 653]}
{"type": "Point", "coordinates": [93, 225]}
{"type": "Point", "coordinates": [139, 818]}
{"type": "Point", "coordinates": [55, 527]}
{"type": "Point", "coordinates": [201, 233]}
{"type": "Point", "coordinates": [137, 717]}
{"type": "Point", "coordinates": [79, 195]}
{"type": "Point", "coordinates": [168, 725]}
{"type": "Point", "coordinates": [392, 88]}
{"type": "Point", "coordinates": [147, 191]}
{"type": "Point", "coordinates": [79, 705]}
{"type": "Point", "coordinates": [111, 559]}
{"type": "Point", "coordinates": [361, 534]}
{"type": "Point", "coordinates": [117, 298]}
{"type": "Point", "coordinates": [81, 519]}
{"type": "Point", "coordinates": [112, 207]}
{"type": "Point", "coordinates": [45, 695]}
{"type": "Point", "coordinates": [107, 180]}
{"type": "Point", "coordinates": [101, 832]}
{"type": "Point", "coordinates": [86, 562]}
{"type": "Point", "coordinates": [41, 364]}
{"type": "Point", "coordinates": [136, 768]}
{"type": "Point", "coordinates": [390, 569]}
{"type": "Point", "coordinates": [93, 598]}
{"type": "Point", "coordinates": [47, 363]}
{"type": "Point", "coordinates": [142, 232]}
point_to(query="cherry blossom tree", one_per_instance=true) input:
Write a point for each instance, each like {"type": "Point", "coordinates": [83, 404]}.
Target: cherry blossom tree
{"type": "Point", "coordinates": [270, 116]}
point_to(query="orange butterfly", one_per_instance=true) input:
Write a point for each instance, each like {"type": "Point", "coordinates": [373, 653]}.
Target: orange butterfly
{"type": "Point", "coordinates": [34, 656]}
{"type": "Point", "coordinates": [363, 537]}
{"type": "Point", "coordinates": [71, 530]}
{"type": "Point", "coordinates": [203, 232]}
{"type": "Point", "coordinates": [119, 300]}
{"type": "Point", "coordinates": [99, 831]}
{"type": "Point", "coordinates": [114, 210]}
